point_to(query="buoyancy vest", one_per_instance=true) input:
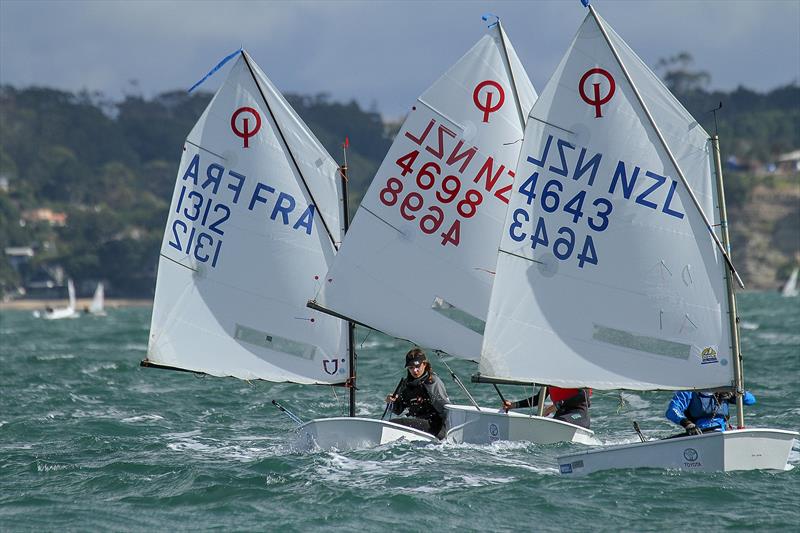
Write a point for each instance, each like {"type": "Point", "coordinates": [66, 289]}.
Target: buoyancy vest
{"type": "Point", "coordinates": [415, 396]}
{"type": "Point", "coordinates": [559, 395]}
{"type": "Point", "coordinates": [704, 405]}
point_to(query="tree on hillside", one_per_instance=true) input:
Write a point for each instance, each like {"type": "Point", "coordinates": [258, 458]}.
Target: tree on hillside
{"type": "Point", "coordinates": [678, 77]}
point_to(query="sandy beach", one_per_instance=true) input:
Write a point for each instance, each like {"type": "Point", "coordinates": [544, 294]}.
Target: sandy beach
{"type": "Point", "coordinates": [110, 303]}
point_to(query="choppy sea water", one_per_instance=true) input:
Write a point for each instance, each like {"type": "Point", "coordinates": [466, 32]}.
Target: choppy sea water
{"type": "Point", "coordinates": [90, 441]}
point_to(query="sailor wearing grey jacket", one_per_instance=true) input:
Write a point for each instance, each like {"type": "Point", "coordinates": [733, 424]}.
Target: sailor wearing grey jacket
{"type": "Point", "coordinates": [423, 394]}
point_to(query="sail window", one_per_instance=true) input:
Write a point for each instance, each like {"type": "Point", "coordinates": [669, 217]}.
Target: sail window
{"type": "Point", "coordinates": [459, 316]}
{"type": "Point", "coordinates": [641, 343]}
{"type": "Point", "coordinates": [275, 342]}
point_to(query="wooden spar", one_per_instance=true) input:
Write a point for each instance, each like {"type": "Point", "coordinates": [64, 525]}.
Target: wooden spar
{"type": "Point", "coordinates": [351, 327]}
{"type": "Point", "coordinates": [511, 75]}
{"type": "Point", "coordinates": [542, 394]}
{"type": "Point", "coordinates": [733, 316]}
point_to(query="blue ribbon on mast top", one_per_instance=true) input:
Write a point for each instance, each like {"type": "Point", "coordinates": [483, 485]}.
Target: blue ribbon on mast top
{"type": "Point", "coordinates": [213, 70]}
{"type": "Point", "coordinates": [585, 3]}
{"type": "Point", "coordinates": [486, 19]}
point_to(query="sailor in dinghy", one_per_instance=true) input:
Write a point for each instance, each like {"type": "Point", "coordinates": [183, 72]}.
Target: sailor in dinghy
{"type": "Point", "coordinates": [569, 405]}
{"type": "Point", "coordinates": [701, 412]}
{"type": "Point", "coordinates": [423, 394]}
{"type": "Point", "coordinates": [257, 216]}
{"type": "Point", "coordinates": [616, 259]}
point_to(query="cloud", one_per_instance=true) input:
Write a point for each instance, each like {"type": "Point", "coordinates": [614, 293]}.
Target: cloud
{"type": "Point", "coordinates": [387, 52]}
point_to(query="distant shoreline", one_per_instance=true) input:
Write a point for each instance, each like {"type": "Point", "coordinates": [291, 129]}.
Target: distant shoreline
{"type": "Point", "coordinates": [110, 303]}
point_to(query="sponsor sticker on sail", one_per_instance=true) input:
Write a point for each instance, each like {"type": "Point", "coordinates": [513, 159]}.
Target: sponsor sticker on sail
{"type": "Point", "coordinates": [709, 355]}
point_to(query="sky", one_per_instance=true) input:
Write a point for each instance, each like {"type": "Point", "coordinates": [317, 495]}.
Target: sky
{"type": "Point", "coordinates": [381, 53]}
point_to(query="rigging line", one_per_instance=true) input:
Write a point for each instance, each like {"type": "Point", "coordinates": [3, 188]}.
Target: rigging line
{"type": "Point", "coordinates": [289, 151]}
{"type": "Point", "coordinates": [457, 379]}
{"type": "Point", "coordinates": [187, 141]}
{"type": "Point", "coordinates": [666, 147]}
{"type": "Point", "coordinates": [336, 400]}
{"type": "Point", "coordinates": [511, 74]}
{"type": "Point", "coordinates": [369, 332]}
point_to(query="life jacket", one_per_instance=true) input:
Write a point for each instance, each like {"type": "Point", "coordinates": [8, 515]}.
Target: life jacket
{"type": "Point", "coordinates": [704, 405]}
{"type": "Point", "coordinates": [559, 395]}
{"type": "Point", "coordinates": [415, 395]}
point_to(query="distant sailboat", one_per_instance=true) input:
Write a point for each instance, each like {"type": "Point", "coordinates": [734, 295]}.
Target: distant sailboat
{"type": "Point", "coordinates": [97, 307]}
{"type": "Point", "coordinates": [610, 273]}
{"type": "Point", "coordinates": [790, 287]}
{"type": "Point", "coordinates": [253, 226]}
{"type": "Point", "coordinates": [64, 312]}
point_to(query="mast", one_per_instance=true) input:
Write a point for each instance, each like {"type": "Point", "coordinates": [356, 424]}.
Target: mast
{"type": "Point", "coordinates": [351, 327]}
{"type": "Point", "coordinates": [733, 316]}
{"type": "Point", "coordinates": [695, 201]}
{"type": "Point", "coordinates": [542, 394]}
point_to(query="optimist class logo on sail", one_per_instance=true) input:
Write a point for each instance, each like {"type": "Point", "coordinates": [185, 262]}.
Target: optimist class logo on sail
{"type": "Point", "coordinates": [245, 132]}
{"type": "Point", "coordinates": [484, 89]}
{"type": "Point", "coordinates": [596, 100]}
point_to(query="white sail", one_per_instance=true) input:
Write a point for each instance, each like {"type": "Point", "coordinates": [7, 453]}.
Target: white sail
{"type": "Point", "coordinates": [63, 312]}
{"type": "Point", "coordinates": [97, 305]}
{"type": "Point", "coordinates": [250, 234]}
{"type": "Point", "coordinates": [607, 275]}
{"type": "Point", "coordinates": [418, 262]}
{"type": "Point", "coordinates": [71, 293]}
{"type": "Point", "coordinates": [790, 287]}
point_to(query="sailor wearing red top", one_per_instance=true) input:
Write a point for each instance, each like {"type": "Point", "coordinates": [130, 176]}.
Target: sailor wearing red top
{"type": "Point", "coordinates": [570, 405]}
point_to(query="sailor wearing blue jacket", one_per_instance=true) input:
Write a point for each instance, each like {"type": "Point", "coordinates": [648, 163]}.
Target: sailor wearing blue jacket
{"type": "Point", "coordinates": [700, 412]}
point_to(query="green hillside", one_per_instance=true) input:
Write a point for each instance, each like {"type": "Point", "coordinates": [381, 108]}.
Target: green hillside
{"type": "Point", "coordinates": [111, 166]}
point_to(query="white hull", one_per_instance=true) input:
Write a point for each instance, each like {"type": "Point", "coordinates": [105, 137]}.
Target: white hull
{"type": "Point", "coordinates": [744, 449]}
{"type": "Point", "coordinates": [57, 314]}
{"type": "Point", "coordinates": [347, 433]}
{"type": "Point", "coordinates": [468, 425]}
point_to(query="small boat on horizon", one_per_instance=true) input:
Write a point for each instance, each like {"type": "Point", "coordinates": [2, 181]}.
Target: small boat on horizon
{"type": "Point", "coordinates": [58, 313]}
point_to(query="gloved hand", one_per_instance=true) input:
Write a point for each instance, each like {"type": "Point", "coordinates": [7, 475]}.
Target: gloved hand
{"type": "Point", "coordinates": [725, 397]}
{"type": "Point", "coordinates": [691, 428]}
